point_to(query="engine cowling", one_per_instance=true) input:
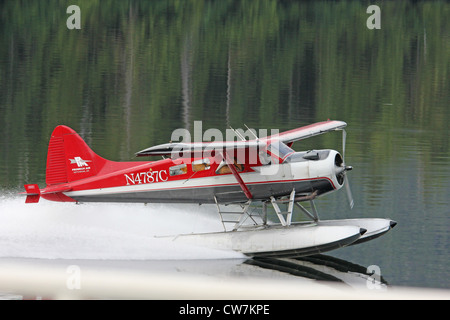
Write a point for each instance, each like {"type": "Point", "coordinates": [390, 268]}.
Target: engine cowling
{"type": "Point", "coordinates": [315, 164]}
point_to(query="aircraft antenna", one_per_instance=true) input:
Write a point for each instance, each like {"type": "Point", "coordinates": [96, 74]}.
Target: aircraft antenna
{"type": "Point", "coordinates": [251, 132]}
{"type": "Point", "coordinates": [238, 134]}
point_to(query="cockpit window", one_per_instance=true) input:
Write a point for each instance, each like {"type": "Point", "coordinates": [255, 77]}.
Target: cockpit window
{"type": "Point", "coordinates": [278, 151]}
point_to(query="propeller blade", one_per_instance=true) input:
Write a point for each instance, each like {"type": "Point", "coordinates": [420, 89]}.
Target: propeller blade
{"type": "Point", "coordinates": [349, 192]}
{"type": "Point", "coordinates": [347, 168]}
{"type": "Point", "coordinates": [344, 141]}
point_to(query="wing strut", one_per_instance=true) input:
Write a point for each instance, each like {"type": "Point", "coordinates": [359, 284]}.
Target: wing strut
{"type": "Point", "coordinates": [230, 164]}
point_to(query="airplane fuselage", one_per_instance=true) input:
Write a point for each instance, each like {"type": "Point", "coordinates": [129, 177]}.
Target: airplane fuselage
{"type": "Point", "coordinates": [200, 180]}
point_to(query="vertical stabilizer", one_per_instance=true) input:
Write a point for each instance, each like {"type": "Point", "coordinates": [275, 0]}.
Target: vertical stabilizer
{"type": "Point", "coordinates": [69, 158]}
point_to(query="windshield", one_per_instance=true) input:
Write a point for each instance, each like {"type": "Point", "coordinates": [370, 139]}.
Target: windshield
{"type": "Point", "coordinates": [279, 151]}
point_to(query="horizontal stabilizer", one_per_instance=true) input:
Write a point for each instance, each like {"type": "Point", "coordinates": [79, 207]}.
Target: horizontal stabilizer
{"type": "Point", "coordinates": [33, 193]}
{"type": "Point", "coordinates": [34, 198]}
{"type": "Point", "coordinates": [32, 189]}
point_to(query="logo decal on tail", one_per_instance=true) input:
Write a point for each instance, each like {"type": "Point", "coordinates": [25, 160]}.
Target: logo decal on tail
{"type": "Point", "coordinates": [80, 162]}
{"type": "Point", "coordinates": [82, 165]}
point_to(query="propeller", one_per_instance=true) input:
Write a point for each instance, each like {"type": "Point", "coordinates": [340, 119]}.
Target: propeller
{"type": "Point", "coordinates": [341, 171]}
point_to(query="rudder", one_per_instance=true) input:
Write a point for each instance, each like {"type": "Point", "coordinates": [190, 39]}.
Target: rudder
{"type": "Point", "coordinates": [69, 158]}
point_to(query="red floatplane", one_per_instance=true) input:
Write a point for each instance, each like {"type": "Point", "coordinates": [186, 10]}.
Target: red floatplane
{"type": "Point", "coordinates": [247, 175]}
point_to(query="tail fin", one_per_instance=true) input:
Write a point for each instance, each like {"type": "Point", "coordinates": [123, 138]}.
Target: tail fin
{"type": "Point", "coordinates": [69, 158]}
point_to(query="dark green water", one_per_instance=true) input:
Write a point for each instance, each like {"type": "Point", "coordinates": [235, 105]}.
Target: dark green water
{"type": "Point", "coordinates": [137, 70]}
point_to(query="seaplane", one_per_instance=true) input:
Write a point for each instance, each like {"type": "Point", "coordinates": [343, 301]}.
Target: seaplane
{"type": "Point", "coordinates": [240, 178]}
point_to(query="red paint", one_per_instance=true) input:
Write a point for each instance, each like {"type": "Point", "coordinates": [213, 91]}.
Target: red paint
{"type": "Point", "coordinates": [73, 166]}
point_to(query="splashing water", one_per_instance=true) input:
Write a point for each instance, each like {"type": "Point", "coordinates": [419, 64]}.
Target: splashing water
{"type": "Point", "coordinates": [51, 230]}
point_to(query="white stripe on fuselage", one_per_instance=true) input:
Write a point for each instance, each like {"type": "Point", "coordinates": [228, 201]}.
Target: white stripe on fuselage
{"type": "Point", "coordinates": [271, 174]}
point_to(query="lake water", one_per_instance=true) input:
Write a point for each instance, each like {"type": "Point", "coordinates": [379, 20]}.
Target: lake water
{"type": "Point", "coordinates": [137, 70]}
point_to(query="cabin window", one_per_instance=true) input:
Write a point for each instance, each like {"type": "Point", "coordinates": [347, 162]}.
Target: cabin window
{"type": "Point", "coordinates": [200, 165]}
{"type": "Point", "coordinates": [177, 170]}
{"type": "Point", "coordinates": [224, 168]}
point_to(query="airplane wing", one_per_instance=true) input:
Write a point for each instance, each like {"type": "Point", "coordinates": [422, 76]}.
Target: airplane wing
{"type": "Point", "coordinates": [286, 137]}
{"type": "Point", "coordinates": [308, 131]}
{"type": "Point", "coordinates": [169, 149]}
